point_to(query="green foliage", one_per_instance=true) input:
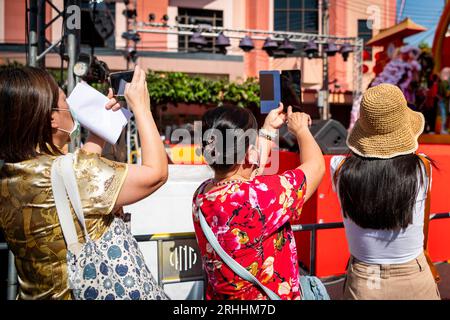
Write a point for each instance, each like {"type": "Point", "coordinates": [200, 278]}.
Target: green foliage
{"type": "Point", "coordinates": [424, 46]}
{"type": "Point", "coordinates": [176, 87]}
{"type": "Point", "coordinates": [56, 73]}
{"type": "Point", "coordinates": [10, 64]}
{"type": "Point", "coordinates": [100, 86]}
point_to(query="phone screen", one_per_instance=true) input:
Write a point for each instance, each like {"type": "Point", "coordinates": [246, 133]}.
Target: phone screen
{"type": "Point", "coordinates": [118, 80]}
{"type": "Point", "coordinates": [266, 87]}
{"type": "Point", "coordinates": [291, 90]}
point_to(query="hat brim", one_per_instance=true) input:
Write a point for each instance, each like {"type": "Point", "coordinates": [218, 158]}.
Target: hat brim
{"type": "Point", "coordinates": [402, 141]}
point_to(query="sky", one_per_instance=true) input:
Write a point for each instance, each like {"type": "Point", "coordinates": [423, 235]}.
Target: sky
{"type": "Point", "coordinates": [425, 13]}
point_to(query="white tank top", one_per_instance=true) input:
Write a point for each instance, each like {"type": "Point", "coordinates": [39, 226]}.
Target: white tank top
{"type": "Point", "coordinates": [386, 246]}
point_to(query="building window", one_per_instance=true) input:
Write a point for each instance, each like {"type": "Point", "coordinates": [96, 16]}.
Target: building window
{"type": "Point", "coordinates": [365, 32]}
{"type": "Point", "coordinates": [213, 18]}
{"type": "Point", "coordinates": [90, 35]}
{"type": "Point", "coordinates": [296, 16]}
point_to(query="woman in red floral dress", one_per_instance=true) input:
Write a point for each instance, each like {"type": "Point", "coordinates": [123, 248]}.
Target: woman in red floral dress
{"type": "Point", "coordinates": [249, 213]}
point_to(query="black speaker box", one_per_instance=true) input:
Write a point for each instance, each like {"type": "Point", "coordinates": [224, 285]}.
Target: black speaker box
{"type": "Point", "coordinates": [331, 136]}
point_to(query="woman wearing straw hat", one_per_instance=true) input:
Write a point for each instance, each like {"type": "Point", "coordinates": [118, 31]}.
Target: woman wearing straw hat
{"type": "Point", "coordinates": [383, 187]}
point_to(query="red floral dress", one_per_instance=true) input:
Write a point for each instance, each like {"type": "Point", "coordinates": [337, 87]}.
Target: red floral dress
{"type": "Point", "coordinates": [251, 221]}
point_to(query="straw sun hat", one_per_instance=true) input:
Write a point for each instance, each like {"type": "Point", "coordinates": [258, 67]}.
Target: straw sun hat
{"type": "Point", "coordinates": [387, 127]}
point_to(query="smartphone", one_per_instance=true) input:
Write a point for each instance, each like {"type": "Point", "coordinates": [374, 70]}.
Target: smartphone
{"type": "Point", "coordinates": [270, 93]}
{"type": "Point", "coordinates": [291, 89]}
{"type": "Point", "coordinates": [118, 80]}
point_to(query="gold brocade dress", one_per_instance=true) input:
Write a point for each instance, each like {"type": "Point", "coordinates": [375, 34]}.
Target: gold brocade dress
{"type": "Point", "coordinates": [31, 226]}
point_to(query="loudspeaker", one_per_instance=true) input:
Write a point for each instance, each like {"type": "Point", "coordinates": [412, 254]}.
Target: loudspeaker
{"type": "Point", "coordinates": [287, 139]}
{"type": "Point", "coordinates": [103, 20]}
{"type": "Point", "coordinates": [98, 22]}
{"type": "Point", "coordinates": [331, 136]}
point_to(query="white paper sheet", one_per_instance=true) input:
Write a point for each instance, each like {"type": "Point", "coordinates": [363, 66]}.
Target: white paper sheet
{"type": "Point", "coordinates": [89, 107]}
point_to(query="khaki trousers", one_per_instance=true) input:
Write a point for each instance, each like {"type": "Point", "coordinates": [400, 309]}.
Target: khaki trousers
{"type": "Point", "coordinates": [407, 281]}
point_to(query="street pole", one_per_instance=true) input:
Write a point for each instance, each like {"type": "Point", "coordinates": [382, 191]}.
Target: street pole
{"type": "Point", "coordinates": [41, 31]}
{"type": "Point", "coordinates": [325, 86]}
{"type": "Point", "coordinates": [32, 34]}
{"type": "Point", "coordinates": [73, 48]}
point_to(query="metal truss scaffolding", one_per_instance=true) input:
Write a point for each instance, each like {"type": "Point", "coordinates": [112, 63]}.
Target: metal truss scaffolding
{"type": "Point", "coordinates": [209, 31]}
{"type": "Point", "coordinates": [39, 46]}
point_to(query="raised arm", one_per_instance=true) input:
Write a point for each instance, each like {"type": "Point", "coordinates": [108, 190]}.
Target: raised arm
{"type": "Point", "coordinates": [311, 158]}
{"type": "Point", "coordinates": [94, 143]}
{"type": "Point", "coordinates": [274, 120]}
{"type": "Point", "coordinates": [143, 180]}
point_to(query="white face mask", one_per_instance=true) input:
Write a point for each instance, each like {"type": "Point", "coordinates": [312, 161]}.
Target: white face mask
{"type": "Point", "coordinates": [257, 160]}
{"type": "Point", "coordinates": [74, 133]}
{"type": "Point", "coordinates": [76, 129]}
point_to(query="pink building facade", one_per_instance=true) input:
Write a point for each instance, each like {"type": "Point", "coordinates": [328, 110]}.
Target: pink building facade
{"type": "Point", "coordinates": [161, 52]}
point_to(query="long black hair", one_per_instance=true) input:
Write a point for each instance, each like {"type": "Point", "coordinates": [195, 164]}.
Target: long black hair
{"type": "Point", "coordinates": [227, 133]}
{"type": "Point", "coordinates": [380, 193]}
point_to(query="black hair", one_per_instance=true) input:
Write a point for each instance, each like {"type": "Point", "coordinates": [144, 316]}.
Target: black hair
{"type": "Point", "coordinates": [227, 133]}
{"type": "Point", "coordinates": [380, 193]}
{"type": "Point", "coordinates": [27, 98]}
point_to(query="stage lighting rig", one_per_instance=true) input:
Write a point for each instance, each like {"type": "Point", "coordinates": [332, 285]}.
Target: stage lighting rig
{"type": "Point", "coordinates": [130, 13]}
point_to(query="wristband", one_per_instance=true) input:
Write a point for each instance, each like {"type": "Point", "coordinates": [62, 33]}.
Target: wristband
{"type": "Point", "coordinates": [269, 135]}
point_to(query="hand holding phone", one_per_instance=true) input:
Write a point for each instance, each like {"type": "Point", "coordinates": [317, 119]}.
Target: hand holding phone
{"type": "Point", "coordinates": [270, 93]}
{"type": "Point", "coordinates": [275, 119]}
{"type": "Point", "coordinates": [291, 90]}
{"type": "Point", "coordinates": [136, 92]}
{"type": "Point", "coordinates": [298, 122]}
{"type": "Point", "coordinates": [118, 81]}
{"type": "Point", "coordinates": [276, 87]}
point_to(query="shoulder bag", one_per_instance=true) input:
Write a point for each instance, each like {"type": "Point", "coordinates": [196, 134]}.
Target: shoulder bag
{"type": "Point", "coordinates": [312, 288]}
{"type": "Point", "coordinates": [110, 268]}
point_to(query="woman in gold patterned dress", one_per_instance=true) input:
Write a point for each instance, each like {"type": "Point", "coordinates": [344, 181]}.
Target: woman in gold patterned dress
{"type": "Point", "coordinates": [35, 124]}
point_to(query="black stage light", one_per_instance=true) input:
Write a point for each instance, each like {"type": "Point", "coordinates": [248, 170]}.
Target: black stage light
{"type": "Point", "coordinates": [311, 49]}
{"type": "Point", "coordinates": [198, 40]}
{"type": "Point", "coordinates": [131, 55]}
{"type": "Point", "coordinates": [222, 41]}
{"type": "Point", "coordinates": [131, 36]}
{"type": "Point", "coordinates": [130, 13]}
{"type": "Point", "coordinates": [346, 49]}
{"type": "Point", "coordinates": [270, 46]}
{"type": "Point", "coordinates": [331, 49]}
{"type": "Point", "coordinates": [90, 69]}
{"type": "Point", "coordinates": [287, 46]}
{"type": "Point", "coordinates": [246, 44]}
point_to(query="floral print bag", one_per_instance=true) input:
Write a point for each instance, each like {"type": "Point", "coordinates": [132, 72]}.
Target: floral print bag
{"type": "Point", "coordinates": [110, 268]}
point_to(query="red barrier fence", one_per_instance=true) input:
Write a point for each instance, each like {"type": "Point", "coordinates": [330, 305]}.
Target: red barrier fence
{"type": "Point", "coordinates": [323, 207]}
